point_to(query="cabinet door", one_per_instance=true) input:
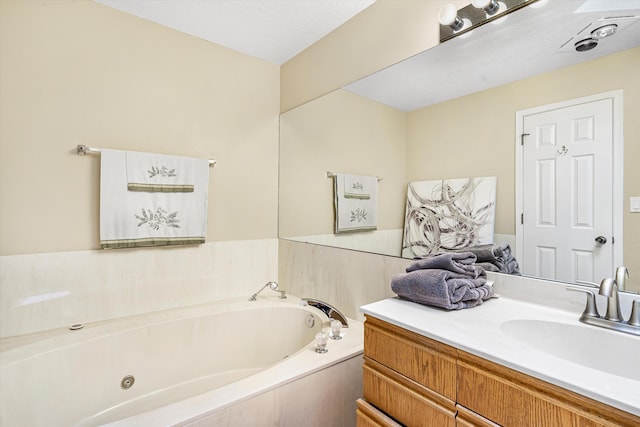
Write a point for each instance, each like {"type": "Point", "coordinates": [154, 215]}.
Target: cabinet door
{"type": "Point", "coordinates": [425, 361]}
{"type": "Point", "coordinates": [404, 400]}
{"type": "Point", "coordinates": [511, 398]}
{"type": "Point", "coordinates": [369, 416]}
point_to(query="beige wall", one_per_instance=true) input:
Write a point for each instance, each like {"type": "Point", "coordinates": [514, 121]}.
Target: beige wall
{"type": "Point", "coordinates": [77, 72]}
{"type": "Point", "coordinates": [474, 135]}
{"type": "Point", "coordinates": [387, 32]}
{"type": "Point", "coordinates": [339, 132]}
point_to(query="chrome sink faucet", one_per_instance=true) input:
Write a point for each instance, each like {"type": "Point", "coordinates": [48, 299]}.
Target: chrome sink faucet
{"type": "Point", "coordinates": [609, 289]}
{"type": "Point", "coordinates": [613, 318]}
{"type": "Point", "coordinates": [622, 274]}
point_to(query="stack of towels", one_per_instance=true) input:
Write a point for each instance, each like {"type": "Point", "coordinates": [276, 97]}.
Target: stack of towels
{"type": "Point", "coordinates": [451, 280]}
{"type": "Point", "coordinates": [494, 257]}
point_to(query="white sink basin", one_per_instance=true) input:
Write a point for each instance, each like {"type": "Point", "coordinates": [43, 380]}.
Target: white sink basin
{"type": "Point", "coordinates": [597, 348]}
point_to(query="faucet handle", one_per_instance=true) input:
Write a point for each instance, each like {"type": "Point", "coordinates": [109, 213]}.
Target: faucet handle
{"type": "Point", "coordinates": [634, 319]}
{"type": "Point", "coordinates": [590, 310]}
{"type": "Point", "coordinates": [622, 274]}
{"type": "Point", "coordinates": [590, 284]}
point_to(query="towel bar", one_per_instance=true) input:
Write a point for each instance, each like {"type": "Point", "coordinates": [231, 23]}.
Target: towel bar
{"type": "Point", "coordinates": [331, 175]}
{"type": "Point", "coordinates": [82, 149]}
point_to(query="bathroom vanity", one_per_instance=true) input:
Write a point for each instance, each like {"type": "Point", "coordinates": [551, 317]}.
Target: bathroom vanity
{"type": "Point", "coordinates": [430, 367]}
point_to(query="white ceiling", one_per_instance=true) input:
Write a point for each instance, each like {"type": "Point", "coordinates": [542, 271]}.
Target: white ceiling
{"type": "Point", "coordinates": [528, 42]}
{"type": "Point", "coordinates": [273, 30]}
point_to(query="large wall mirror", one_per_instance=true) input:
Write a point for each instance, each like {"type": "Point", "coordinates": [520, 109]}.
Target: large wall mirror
{"type": "Point", "coordinates": [450, 112]}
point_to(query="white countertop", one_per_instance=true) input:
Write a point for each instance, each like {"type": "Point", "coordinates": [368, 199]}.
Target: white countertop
{"type": "Point", "coordinates": [479, 331]}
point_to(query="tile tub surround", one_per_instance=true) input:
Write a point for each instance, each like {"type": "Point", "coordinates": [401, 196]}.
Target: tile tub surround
{"type": "Point", "coordinates": [344, 278]}
{"type": "Point", "coordinates": [51, 290]}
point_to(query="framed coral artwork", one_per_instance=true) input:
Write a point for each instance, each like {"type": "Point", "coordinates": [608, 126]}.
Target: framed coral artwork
{"type": "Point", "coordinates": [449, 214]}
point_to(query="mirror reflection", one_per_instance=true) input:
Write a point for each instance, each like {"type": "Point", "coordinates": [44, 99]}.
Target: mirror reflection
{"type": "Point", "coordinates": [471, 135]}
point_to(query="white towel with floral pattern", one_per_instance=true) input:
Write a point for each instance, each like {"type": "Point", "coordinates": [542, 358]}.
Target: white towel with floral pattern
{"type": "Point", "coordinates": [150, 218]}
{"type": "Point", "coordinates": [152, 172]}
{"type": "Point", "coordinates": [355, 202]}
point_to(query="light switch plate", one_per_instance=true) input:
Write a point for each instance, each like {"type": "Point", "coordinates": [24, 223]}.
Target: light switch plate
{"type": "Point", "coordinates": [634, 204]}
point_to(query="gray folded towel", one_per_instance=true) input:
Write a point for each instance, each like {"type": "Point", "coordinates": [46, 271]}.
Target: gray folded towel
{"type": "Point", "coordinates": [456, 262]}
{"type": "Point", "coordinates": [493, 257]}
{"type": "Point", "coordinates": [442, 288]}
{"type": "Point", "coordinates": [510, 263]}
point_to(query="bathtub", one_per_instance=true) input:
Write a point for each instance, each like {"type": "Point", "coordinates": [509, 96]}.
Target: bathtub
{"type": "Point", "coordinates": [214, 364]}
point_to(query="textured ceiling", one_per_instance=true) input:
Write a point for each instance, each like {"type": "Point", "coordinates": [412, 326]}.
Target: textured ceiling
{"type": "Point", "coordinates": [528, 42]}
{"type": "Point", "coordinates": [273, 30]}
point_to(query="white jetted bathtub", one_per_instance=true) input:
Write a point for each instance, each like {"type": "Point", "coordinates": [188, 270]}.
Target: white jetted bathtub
{"type": "Point", "coordinates": [232, 362]}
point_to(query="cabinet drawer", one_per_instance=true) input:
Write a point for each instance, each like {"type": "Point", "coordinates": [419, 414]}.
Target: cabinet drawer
{"type": "Point", "coordinates": [511, 398]}
{"type": "Point", "coordinates": [404, 400]}
{"type": "Point", "coordinates": [370, 416]}
{"type": "Point", "coordinates": [420, 359]}
{"type": "Point", "coordinates": [467, 418]}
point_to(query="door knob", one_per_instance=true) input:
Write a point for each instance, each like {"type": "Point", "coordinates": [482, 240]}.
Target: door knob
{"type": "Point", "coordinates": [601, 240]}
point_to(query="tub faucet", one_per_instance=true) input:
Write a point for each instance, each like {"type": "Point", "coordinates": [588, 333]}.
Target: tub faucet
{"type": "Point", "coordinates": [330, 311]}
{"type": "Point", "coordinates": [609, 288]}
{"type": "Point", "coordinates": [273, 286]}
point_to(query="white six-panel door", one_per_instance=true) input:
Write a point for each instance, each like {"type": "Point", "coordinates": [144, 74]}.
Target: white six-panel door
{"type": "Point", "coordinates": [567, 228]}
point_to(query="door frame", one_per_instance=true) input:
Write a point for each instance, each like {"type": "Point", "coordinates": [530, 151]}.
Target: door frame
{"type": "Point", "coordinates": [617, 158]}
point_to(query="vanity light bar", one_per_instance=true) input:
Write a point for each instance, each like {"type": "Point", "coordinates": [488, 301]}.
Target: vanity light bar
{"type": "Point", "coordinates": [81, 150]}
{"type": "Point", "coordinates": [474, 16]}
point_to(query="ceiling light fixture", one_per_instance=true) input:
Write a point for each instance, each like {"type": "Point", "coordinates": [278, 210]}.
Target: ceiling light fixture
{"type": "Point", "coordinates": [455, 22]}
{"type": "Point", "coordinates": [604, 31]}
{"type": "Point", "coordinates": [489, 6]}
{"type": "Point", "coordinates": [448, 15]}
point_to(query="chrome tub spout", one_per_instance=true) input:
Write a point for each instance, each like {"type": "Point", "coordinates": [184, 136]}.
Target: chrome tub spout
{"type": "Point", "coordinates": [273, 286]}
{"type": "Point", "coordinates": [329, 310]}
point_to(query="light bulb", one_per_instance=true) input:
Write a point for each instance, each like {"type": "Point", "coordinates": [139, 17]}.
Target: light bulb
{"type": "Point", "coordinates": [448, 15]}
{"type": "Point", "coordinates": [489, 6]}
{"type": "Point", "coordinates": [604, 31]}
{"type": "Point", "coordinates": [480, 4]}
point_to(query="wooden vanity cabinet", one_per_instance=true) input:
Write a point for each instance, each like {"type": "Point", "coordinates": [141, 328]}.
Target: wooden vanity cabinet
{"type": "Point", "coordinates": [370, 416]}
{"type": "Point", "coordinates": [411, 380]}
{"type": "Point", "coordinates": [467, 418]}
{"type": "Point", "coordinates": [511, 398]}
